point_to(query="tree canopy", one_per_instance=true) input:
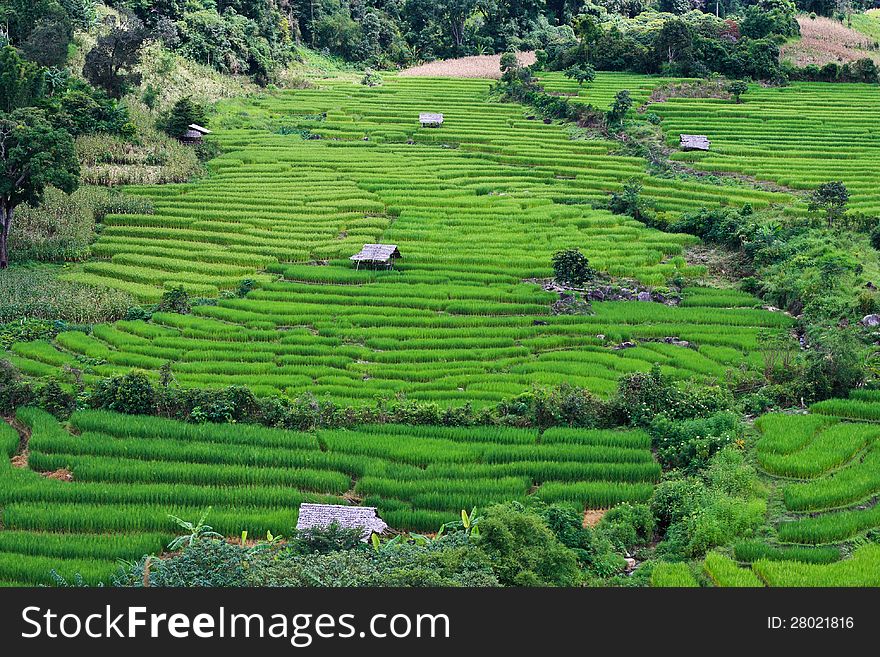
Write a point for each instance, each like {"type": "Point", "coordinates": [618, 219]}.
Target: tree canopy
{"type": "Point", "coordinates": [33, 155]}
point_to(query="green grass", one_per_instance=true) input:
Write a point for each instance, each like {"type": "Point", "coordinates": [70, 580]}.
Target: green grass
{"type": "Point", "coordinates": [723, 571]}
{"type": "Point", "coordinates": [673, 575]}
{"type": "Point", "coordinates": [863, 569]}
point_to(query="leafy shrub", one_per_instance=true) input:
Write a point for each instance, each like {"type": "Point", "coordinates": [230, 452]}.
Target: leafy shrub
{"type": "Point", "coordinates": [176, 121]}
{"type": "Point", "coordinates": [14, 391]}
{"type": "Point", "coordinates": [323, 540]}
{"type": "Point", "coordinates": [675, 499]}
{"type": "Point", "coordinates": [132, 394]}
{"type": "Point", "coordinates": [57, 401]}
{"type": "Point", "coordinates": [522, 549]}
{"type": "Point", "coordinates": [628, 525]}
{"type": "Point", "coordinates": [571, 267]}
{"type": "Point", "coordinates": [175, 301]}
{"type": "Point", "coordinates": [689, 444]}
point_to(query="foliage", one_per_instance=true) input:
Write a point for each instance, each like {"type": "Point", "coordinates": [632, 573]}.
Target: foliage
{"type": "Point", "coordinates": [195, 531]}
{"type": "Point", "coordinates": [700, 514]}
{"type": "Point", "coordinates": [132, 394]}
{"type": "Point", "coordinates": [175, 301]}
{"type": "Point", "coordinates": [324, 540]}
{"type": "Point", "coordinates": [688, 445]}
{"type": "Point", "coordinates": [176, 121]}
{"type": "Point", "coordinates": [36, 293]}
{"type": "Point", "coordinates": [571, 267]}
{"type": "Point", "coordinates": [33, 155]}
{"type": "Point", "coordinates": [737, 88]}
{"type": "Point", "coordinates": [371, 78]}
{"type": "Point", "coordinates": [580, 73]}
{"type": "Point", "coordinates": [523, 551]}
{"type": "Point", "coordinates": [620, 108]}
{"type": "Point", "coordinates": [22, 83]}
{"type": "Point", "coordinates": [112, 63]}
{"type": "Point", "coordinates": [832, 198]}
{"type": "Point", "coordinates": [629, 201]}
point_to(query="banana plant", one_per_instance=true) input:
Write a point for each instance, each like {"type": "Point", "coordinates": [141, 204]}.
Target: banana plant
{"type": "Point", "coordinates": [194, 531]}
{"type": "Point", "coordinates": [387, 546]}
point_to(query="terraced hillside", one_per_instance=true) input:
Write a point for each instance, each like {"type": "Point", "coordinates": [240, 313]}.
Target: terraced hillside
{"type": "Point", "coordinates": [600, 93]}
{"type": "Point", "coordinates": [799, 136]}
{"type": "Point", "coordinates": [130, 472]}
{"type": "Point", "coordinates": [477, 208]}
{"type": "Point", "coordinates": [827, 475]}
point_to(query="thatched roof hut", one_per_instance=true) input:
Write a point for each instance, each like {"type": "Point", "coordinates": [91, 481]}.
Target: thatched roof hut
{"type": "Point", "coordinates": [194, 134]}
{"type": "Point", "coordinates": [348, 517]}
{"type": "Point", "coordinates": [431, 119]}
{"type": "Point", "coordinates": [694, 142]}
{"type": "Point", "coordinates": [382, 255]}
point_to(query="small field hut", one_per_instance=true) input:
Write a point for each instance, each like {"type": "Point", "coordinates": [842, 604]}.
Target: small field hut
{"type": "Point", "coordinates": [694, 142]}
{"type": "Point", "coordinates": [431, 119]}
{"type": "Point", "coordinates": [376, 255]}
{"type": "Point", "coordinates": [194, 134]}
{"type": "Point", "coordinates": [348, 517]}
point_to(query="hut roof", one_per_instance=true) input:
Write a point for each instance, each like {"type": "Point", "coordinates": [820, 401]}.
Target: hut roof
{"type": "Point", "coordinates": [348, 517]}
{"type": "Point", "coordinates": [376, 253]}
{"type": "Point", "coordinates": [694, 142]}
{"type": "Point", "coordinates": [197, 128]}
{"type": "Point", "coordinates": [430, 117]}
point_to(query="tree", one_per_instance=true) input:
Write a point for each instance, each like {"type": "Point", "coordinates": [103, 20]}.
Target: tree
{"type": "Point", "coordinates": [112, 63]}
{"type": "Point", "coordinates": [33, 155]}
{"type": "Point", "coordinates": [831, 197]}
{"type": "Point", "coordinates": [736, 89]}
{"type": "Point", "coordinates": [183, 113]}
{"type": "Point", "coordinates": [581, 73]}
{"type": "Point", "coordinates": [620, 108]}
{"type": "Point", "coordinates": [48, 42]}
{"type": "Point", "coordinates": [570, 266]}
{"type": "Point", "coordinates": [22, 83]}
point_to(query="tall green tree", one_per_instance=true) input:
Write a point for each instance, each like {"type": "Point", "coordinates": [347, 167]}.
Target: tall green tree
{"type": "Point", "coordinates": [22, 83]}
{"type": "Point", "coordinates": [33, 155]}
{"type": "Point", "coordinates": [832, 198]}
{"type": "Point", "coordinates": [112, 63]}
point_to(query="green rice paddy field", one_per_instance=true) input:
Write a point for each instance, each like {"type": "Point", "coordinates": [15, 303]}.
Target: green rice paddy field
{"type": "Point", "coordinates": [477, 208]}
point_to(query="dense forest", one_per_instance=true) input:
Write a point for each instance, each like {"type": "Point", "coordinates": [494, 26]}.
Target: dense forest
{"type": "Point", "coordinates": [258, 38]}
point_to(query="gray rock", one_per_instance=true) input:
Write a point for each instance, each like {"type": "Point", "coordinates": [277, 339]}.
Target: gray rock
{"type": "Point", "coordinates": [870, 320]}
{"type": "Point", "coordinates": [644, 296]}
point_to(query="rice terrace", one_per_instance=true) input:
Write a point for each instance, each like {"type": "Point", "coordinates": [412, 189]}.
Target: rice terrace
{"type": "Point", "coordinates": [590, 306]}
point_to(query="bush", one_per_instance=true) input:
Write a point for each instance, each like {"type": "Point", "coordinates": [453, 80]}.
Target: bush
{"type": "Point", "coordinates": [594, 551]}
{"type": "Point", "coordinates": [628, 526]}
{"type": "Point", "coordinates": [57, 401]}
{"type": "Point", "coordinates": [15, 392]}
{"type": "Point", "coordinates": [61, 228]}
{"type": "Point", "coordinates": [571, 267]}
{"type": "Point", "coordinates": [175, 301]}
{"type": "Point", "coordinates": [323, 540]}
{"type": "Point", "coordinates": [642, 396]}
{"type": "Point", "coordinates": [132, 394]}
{"type": "Point", "coordinates": [522, 549]}
{"type": "Point", "coordinates": [208, 562]}
{"type": "Point", "coordinates": [675, 499]}
{"type": "Point", "coordinates": [833, 362]}
{"type": "Point", "coordinates": [689, 444]}
{"type": "Point", "coordinates": [875, 237]}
